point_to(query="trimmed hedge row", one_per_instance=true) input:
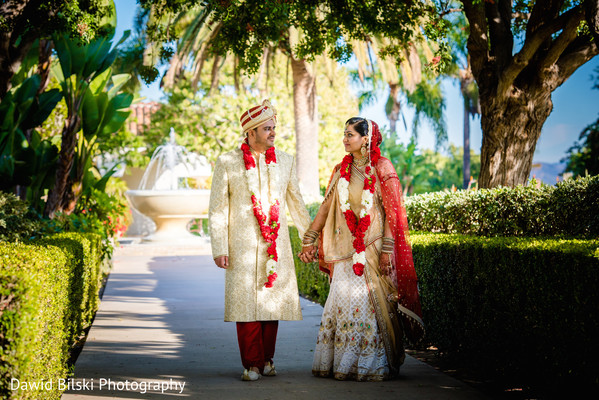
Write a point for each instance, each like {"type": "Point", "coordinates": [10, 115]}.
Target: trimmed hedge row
{"type": "Point", "coordinates": [17, 222]}
{"type": "Point", "coordinates": [570, 208]}
{"type": "Point", "coordinates": [522, 309]}
{"type": "Point", "coordinates": [312, 283]}
{"type": "Point", "coordinates": [82, 251]}
{"type": "Point", "coordinates": [34, 303]}
{"type": "Point", "coordinates": [48, 294]}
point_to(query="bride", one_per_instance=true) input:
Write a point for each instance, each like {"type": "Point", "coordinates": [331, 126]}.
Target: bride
{"type": "Point", "coordinates": [361, 233]}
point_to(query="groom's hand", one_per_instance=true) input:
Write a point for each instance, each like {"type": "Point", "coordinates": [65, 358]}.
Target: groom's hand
{"type": "Point", "coordinates": [222, 262]}
{"type": "Point", "coordinates": [307, 254]}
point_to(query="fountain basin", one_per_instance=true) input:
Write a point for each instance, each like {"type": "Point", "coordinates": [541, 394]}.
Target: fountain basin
{"type": "Point", "coordinates": [171, 211]}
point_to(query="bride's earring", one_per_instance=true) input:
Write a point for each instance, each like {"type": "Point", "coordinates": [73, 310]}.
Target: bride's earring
{"type": "Point", "coordinates": [363, 150]}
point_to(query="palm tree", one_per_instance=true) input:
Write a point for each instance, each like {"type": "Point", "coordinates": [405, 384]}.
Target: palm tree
{"type": "Point", "coordinates": [469, 91]}
{"type": "Point", "coordinates": [461, 69]}
{"type": "Point", "coordinates": [195, 49]}
{"type": "Point", "coordinates": [410, 67]}
{"type": "Point", "coordinates": [422, 91]}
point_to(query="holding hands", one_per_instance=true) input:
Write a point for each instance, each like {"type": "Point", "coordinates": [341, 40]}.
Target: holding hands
{"type": "Point", "coordinates": [308, 254]}
{"type": "Point", "coordinates": [309, 247]}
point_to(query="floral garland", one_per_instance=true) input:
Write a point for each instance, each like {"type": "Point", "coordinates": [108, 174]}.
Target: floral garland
{"type": "Point", "coordinates": [270, 230]}
{"type": "Point", "coordinates": [357, 226]}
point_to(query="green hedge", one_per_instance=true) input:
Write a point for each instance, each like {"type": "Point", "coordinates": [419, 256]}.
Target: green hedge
{"type": "Point", "coordinates": [524, 310]}
{"type": "Point", "coordinates": [570, 208]}
{"type": "Point", "coordinates": [33, 311]}
{"type": "Point", "coordinates": [17, 222]}
{"type": "Point", "coordinates": [48, 294]}
{"type": "Point", "coordinates": [82, 251]}
{"type": "Point", "coordinates": [521, 309]}
{"type": "Point", "coordinates": [312, 283]}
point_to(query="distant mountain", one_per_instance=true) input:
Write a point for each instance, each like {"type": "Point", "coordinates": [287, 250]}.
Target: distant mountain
{"type": "Point", "coordinates": [547, 172]}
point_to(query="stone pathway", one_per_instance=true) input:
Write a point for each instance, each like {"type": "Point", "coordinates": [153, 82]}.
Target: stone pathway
{"type": "Point", "coordinates": [159, 333]}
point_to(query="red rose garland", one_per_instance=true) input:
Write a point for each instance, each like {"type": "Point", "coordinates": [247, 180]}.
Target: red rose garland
{"type": "Point", "coordinates": [357, 226]}
{"type": "Point", "coordinates": [269, 231]}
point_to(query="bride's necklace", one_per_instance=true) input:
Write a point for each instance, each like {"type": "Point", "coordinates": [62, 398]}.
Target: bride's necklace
{"type": "Point", "coordinates": [361, 162]}
{"type": "Point", "coordinates": [357, 226]}
{"type": "Point", "coordinates": [270, 230]}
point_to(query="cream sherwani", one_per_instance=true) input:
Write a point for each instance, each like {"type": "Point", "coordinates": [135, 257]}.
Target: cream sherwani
{"type": "Point", "coordinates": [234, 232]}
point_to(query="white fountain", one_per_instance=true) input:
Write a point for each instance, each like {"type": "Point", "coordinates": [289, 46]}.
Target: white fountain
{"type": "Point", "coordinates": [172, 192]}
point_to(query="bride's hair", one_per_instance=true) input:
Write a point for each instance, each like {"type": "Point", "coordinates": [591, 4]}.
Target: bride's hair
{"type": "Point", "coordinates": [360, 125]}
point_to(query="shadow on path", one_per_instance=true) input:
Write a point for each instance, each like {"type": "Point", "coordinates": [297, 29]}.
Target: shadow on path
{"type": "Point", "coordinates": [161, 323]}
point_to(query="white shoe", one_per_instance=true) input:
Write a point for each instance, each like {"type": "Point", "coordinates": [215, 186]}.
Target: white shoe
{"type": "Point", "coordinates": [249, 375]}
{"type": "Point", "coordinates": [269, 369]}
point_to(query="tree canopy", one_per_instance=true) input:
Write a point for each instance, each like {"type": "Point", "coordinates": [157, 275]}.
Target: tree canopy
{"type": "Point", "coordinates": [302, 28]}
{"type": "Point", "coordinates": [24, 22]}
{"type": "Point", "coordinates": [209, 124]}
{"type": "Point", "coordinates": [583, 158]}
{"type": "Point", "coordinates": [252, 30]}
{"type": "Point", "coordinates": [520, 52]}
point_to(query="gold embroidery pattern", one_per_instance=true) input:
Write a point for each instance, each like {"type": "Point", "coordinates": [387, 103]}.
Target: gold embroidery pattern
{"type": "Point", "coordinates": [353, 348]}
{"type": "Point", "coordinates": [234, 231]}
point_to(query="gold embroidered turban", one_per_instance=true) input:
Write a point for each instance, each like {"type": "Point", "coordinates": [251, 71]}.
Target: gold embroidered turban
{"type": "Point", "coordinates": [258, 115]}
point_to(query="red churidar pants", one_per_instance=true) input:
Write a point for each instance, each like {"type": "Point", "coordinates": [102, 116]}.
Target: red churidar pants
{"type": "Point", "coordinates": [257, 341]}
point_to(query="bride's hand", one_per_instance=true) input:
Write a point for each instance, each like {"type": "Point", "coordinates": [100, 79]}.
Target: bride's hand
{"type": "Point", "coordinates": [304, 257]}
{"type": "Point", "coordinates": [385, 264]}
{"type": "Point", "coordinates": [307, 254]}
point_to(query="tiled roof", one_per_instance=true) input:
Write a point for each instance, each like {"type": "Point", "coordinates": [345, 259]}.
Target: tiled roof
{"type": "Point", "coordinates": [141, 115]}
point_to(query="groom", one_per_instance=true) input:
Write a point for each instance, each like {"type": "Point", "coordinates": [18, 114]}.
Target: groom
{"type": "Point", "coordinates": [248, 229]}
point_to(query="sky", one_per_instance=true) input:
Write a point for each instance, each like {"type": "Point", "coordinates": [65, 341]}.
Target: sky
{"type": "Point", "coordinates": [575, 105]}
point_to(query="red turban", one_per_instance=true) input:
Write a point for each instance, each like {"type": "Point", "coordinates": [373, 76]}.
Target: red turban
{"type": "Point", "coordinates": [258, 115]}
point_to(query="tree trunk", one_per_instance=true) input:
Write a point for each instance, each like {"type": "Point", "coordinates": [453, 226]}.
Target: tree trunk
{"type": "Point", "coordinates": [306, 128]}
{"type": "Point", "coordinates": [44, 62]}
{"type": "Point", "coordinates": [393, 116]}
{"type": "Point", "coordinates": [71, 195]}
{"type": "Point", "coordinates": [173, 73]}
{"type": "Point", "coordinates": [466, 144]}
{"type": "Point", "coordinates": [65, 163]}
{"type": "Point", "coordinates": [511, 131]}
{"type": "Point", "coordinates": [236, 75]}
{"type": "Point", "coordinates": [471, 107]}
{"type": "Point", "coordinates": [10, 61]}
{"type": "Point", "coordinates": [16, 37]}
{"type": "Point", "coordinates": [216, 66]}
{"type": "Point", "coordinates": [262, 80]}
{"type": "Point", "coordinates": [43, 70]}
{"type": "Point", "coordinates": [515, 89]}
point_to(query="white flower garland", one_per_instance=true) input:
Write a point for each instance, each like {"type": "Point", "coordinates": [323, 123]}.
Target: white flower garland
{"type": "Point", "coordinates": [273, 178]}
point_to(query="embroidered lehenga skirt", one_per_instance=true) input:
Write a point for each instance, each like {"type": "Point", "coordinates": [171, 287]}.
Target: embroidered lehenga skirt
{"type": "Point", "coordinates": [350, 343]}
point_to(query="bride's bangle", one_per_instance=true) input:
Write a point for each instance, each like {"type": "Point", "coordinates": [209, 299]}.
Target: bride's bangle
{"type": "Point", "coordinates": [309, 237]}
{"type": "Point", "coordinates": [388, 245]}
{"type": "Point", "coordinates": [311, 233]}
